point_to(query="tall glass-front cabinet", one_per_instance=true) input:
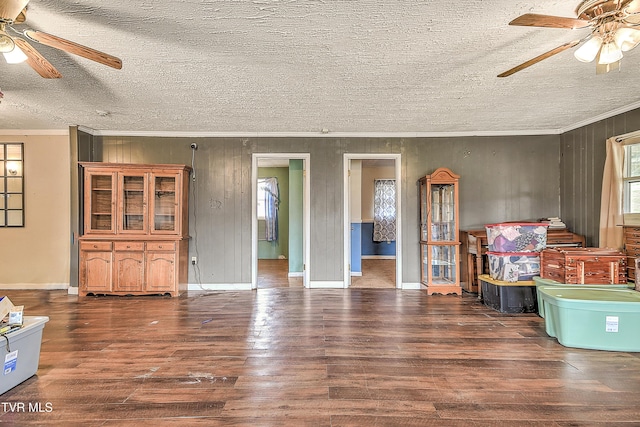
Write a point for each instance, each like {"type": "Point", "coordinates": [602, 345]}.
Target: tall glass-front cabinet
{"type": "Point", "coordinates": [439, 244]}
{"type": "Point", "coordinates": [135, 229]}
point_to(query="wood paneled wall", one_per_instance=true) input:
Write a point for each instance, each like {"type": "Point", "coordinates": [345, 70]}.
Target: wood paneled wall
{"type": "Point", "coordinates": [582, 159]}
{"type": "Point", "coordinates": [502, 179]}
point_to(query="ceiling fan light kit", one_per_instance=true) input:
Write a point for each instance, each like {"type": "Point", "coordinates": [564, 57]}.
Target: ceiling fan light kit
{"type": "Point", "coordinates": [615, 28]}
{"type": "Point", "coordinates": [18, 49]}
{"type": "Point", "coordinates": [16, 56]}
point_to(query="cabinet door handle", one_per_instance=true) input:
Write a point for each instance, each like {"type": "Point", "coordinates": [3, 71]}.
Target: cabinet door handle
{"type": "Point", "coordinates": [128, 247]}
{"type": "Point", "coordinates": [160, 246]}
{"type": "Point", "coordinates": [95, 246]}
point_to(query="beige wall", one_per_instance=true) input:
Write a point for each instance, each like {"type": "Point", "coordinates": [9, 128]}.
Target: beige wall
{"type": "Point", "coordinates": [37, 255]}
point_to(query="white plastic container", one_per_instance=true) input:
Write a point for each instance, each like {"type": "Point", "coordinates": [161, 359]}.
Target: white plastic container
{"type": "Point", "coordinates": [517, 237]}
{"type": "Point", "coordinates": [514, 266]}
{"type": "Point", "coordinates": [21, 361]}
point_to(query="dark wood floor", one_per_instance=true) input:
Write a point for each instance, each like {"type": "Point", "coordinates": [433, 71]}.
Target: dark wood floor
{"type": "Point", "coordinates": [300, 357]}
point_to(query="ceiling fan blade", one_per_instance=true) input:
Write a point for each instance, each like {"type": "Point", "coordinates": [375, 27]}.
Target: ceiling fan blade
{"type": "Point", "coordinates": [22, 16]}
{"type": "Point", "coordinates": [37, 61]}
{"type": "Point", "coordinates": [548, 21]}
{"type": "Point", "coordinates": [10, 9]}
{"type": "Point", "coordinates": [74, 48]}
{"type": "Point", "coordinates": [540, 58]}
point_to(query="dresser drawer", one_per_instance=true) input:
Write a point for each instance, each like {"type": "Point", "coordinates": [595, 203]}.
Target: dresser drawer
{"type": "Point", "coordinates": [632, 250]}
{"type": "Point", "coordinates": [161, 246]}
{"type": "Point", "coordinates": [129, 246]}
{"type": "Point", "coordinates": [95, 246]}
{"type": "Point", "coordinates": [632, 233]}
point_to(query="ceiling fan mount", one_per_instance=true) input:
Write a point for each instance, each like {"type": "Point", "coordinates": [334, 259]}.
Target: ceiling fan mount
{"type": "Point", "coordinates": [19, 49]}
{"type": "Point", "coordinates": [615, 28]}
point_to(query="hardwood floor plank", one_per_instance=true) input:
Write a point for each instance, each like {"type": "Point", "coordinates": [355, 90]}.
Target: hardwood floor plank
{"type": "Point", "coordinates": [290, 356]}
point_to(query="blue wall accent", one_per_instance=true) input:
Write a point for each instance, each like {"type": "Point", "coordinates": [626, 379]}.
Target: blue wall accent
{"type": "Point", "coordinates": [369, 247]}
{"type": "Point", "coordinates": [356, 248]}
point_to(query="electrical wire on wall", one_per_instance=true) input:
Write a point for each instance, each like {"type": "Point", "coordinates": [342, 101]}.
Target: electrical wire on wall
{"type": "Point", "coordinates": [194, 194]}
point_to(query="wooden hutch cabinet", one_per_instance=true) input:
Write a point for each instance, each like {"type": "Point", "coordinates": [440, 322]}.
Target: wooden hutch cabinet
{"type": "Point", "coordinates": [135, 229]}
{"type": "Point", "coordinates": [439, 244]}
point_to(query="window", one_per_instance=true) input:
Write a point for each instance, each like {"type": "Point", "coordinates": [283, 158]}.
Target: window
{"type": "Point", "coordinates": [262, 197]}
{"type": "Point", "coordinates": [632, 178]}
{"type": "Point", "coordinates": [11, 185]}
{"type": "Point", "coordinates": [384, 210]}
{"type": "Point", "coordinates": [267, 206]}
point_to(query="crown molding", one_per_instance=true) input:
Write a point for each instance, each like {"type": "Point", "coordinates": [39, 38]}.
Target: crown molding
{"type": "Point", "coordinates": [37, 132]}
{"type": "Point", "coordinates": [188, 134]}
{"type": "Point", "coordinates": [325, 133]}
{"type": "Point", "coordinates": [603, 116]}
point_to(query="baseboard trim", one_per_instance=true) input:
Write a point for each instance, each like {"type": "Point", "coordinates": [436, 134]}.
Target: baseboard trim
{"type": "Point", "coordinates": [378, 257]}
{"type": "Point", "coordinates": [296, 274]}
{"type": "Point", "coordinates": [326, 284]}
{"type": "Point", "coordinates": [73, 290]}
{"type": "Point", "coordinates": [34, 286]}
{"type": "Point", "coordinates": [411, 286]}
{"type": "Point", "coordinates": [356, 273]}
{"type": "Point", "coordinates": [219, 287]}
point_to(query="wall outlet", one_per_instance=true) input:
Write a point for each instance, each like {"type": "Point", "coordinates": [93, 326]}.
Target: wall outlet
{"type": "Point", "coordinates": [194, 260]}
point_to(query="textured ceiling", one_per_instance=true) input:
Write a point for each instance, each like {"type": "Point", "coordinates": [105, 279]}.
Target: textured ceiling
{"type": "Point", "coordinates": [289, 66]}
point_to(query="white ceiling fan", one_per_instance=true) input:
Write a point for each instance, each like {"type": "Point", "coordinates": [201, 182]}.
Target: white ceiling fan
{"type": "Point", "coordinates": [615, 28]}
{"type": "Point", "coordinates": [17, 48]}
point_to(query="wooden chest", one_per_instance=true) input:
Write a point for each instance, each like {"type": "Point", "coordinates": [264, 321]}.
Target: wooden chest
{"type": "Point", "coordinates": [584, 266]}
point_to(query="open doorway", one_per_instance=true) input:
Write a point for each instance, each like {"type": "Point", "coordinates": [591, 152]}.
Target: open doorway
{"type": "Point", "coordinates": [280, 220]}
{"type": "Point", "coordinates": [373, 256]}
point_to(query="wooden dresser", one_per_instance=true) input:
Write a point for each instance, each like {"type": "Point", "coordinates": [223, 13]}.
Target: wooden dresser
{"type": "Point", "coordinates": [474, 249]}
{"type": "Point", "coordinates": [632, 249]}
{"type": "Point", "coordinates": [135, 229]}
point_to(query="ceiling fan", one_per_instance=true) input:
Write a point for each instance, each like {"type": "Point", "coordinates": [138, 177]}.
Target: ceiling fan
{"type": "Point", "coordinates": [615, 28]}
{"type": "Point", "coordinates": [18, 49]}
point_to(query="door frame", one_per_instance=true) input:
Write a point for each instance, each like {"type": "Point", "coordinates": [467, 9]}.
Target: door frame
{"type": "Point", "coordinates": [306, 209]}
{"type": "Point", "coordinates": [397, 158]}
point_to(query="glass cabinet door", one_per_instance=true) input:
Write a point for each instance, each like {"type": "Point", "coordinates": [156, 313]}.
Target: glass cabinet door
{"type": "Point", "coordinates": [165, 204]}
{"type": "Point", "coordinates": [439, 264]}
{"type": "Point", "coordinates": [424, 213]}
{"type": "Point", "coordinates": [100, 211]}
{"type": "Point", "coordinates": [133, 206]}
{"type": "Point", "coordinates": [443, 225]}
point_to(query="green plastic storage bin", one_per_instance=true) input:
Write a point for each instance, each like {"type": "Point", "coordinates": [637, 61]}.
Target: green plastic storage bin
{"type": "Point", "coordinates": [539, 281]}
{"type": "Point", "coordinates": [592, 318]}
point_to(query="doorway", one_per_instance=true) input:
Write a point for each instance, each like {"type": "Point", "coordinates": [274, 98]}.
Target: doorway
{"type": "Point", "coordinates": [371, 259]}
{"type": "Point", "coordinates": [280, 220]}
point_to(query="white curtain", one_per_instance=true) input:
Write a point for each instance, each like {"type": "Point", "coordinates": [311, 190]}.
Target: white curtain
{"type": "Point", "coordinates": [272, 201]}
{"type": "Point", "coordinates": [611, 208]}
{"type": "Point", "coordinates": [384, 210]}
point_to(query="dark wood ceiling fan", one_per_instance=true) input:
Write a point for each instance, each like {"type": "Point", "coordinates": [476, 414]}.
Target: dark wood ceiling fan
{"type": "Point", "coordinates": [615, 28]}
{"type": "Point", "coordinates": [14, 12]}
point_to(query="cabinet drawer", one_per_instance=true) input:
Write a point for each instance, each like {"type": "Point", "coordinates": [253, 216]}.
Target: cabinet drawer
{"type": "Point", "coordinates": [95, 246]}
{"type": "Point", "coordinates": [632, 232]}
{"type": "Point", "coordinates": [632, 250]}
{"type": "Point", "coordinates": [161, 246]}
{"type": "Point", "coordinates": [129, 246]}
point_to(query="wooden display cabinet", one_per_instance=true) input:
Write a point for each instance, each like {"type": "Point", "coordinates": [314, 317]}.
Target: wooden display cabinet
{"type": "Point", "coordinates": [439, 244]}
{"type": "Point", "coordinates": [135, 223]}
